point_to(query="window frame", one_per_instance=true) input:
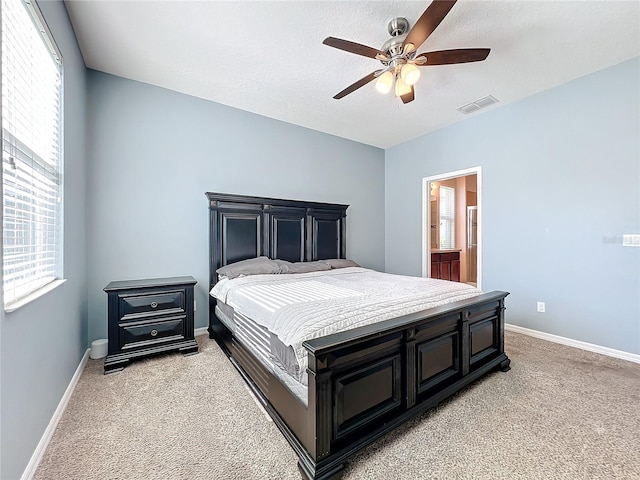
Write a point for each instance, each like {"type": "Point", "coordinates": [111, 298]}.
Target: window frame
{"type": "Point", "coordinates": [37, 288]}
{"type": "Point", "coordinates": [447, 222]}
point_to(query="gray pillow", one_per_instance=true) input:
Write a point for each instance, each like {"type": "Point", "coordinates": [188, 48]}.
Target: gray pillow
{"type": "Point", "coordinates": [302, 267]}
{"type": "Point", "coordinates": [251, 266]}
{"type": "Point", "coordinates": [340, 263]}
{"type": "Point", "coordinates": [283, 264]}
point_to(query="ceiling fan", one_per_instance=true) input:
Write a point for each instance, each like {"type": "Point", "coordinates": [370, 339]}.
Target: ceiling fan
{"type": "Point", "coordinates": [399, 56]}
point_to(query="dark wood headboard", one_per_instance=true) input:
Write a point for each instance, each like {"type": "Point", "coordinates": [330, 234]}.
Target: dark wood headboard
{"type": "Point", "coordinates": [242, 227]}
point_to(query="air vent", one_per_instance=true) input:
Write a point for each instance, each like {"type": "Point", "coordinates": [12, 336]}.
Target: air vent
{"type": "Point", "coordinates": [469, 107]}
{"type": "Point", "coordinates": [478, 104]}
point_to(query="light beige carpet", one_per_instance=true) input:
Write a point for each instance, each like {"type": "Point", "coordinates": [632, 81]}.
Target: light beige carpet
{"type": "Point", "coordinates": [560, 413]}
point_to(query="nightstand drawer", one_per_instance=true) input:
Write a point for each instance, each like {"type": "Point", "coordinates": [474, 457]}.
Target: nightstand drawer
{"type": "Point", "coordinates": [137, 334]}
{"type": "Point", "coordinates": [165, 302]}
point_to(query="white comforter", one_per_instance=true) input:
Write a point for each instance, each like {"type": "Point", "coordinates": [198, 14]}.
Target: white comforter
{"type": "Point", "coordinates": [299, 307]}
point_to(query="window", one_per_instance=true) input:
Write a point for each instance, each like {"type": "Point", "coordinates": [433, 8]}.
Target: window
{"type": "Point", "coordinates": [31, 153]}
{"type": "Point", "coordinates": [447, 217]}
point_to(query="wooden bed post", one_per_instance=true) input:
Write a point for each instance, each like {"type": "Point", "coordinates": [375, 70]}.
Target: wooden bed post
{"type": "Point", "coordinates": [320, 401]}
{"type": "Point", "coordinates": [505, 366]}
{"type": "Point", "coordinates": [466, 342]}
{"type": "Point", "coordinates": [320, 421]}
{"type": "Point", "coordinates": [410, 369]}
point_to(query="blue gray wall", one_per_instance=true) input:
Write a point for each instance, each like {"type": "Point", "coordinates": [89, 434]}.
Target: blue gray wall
{"type": "Point", "coordinates": [43, 342]}
{"type": "Point", "coordinates": [561, 182]}
{"type": "Point", "coordinates": [154, 153]}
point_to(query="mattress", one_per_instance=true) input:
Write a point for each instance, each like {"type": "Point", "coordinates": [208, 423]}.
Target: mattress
{"type": "Point", "coordinates": [265, 346]}
{"type": "Point", "coordinates": [293, 308]}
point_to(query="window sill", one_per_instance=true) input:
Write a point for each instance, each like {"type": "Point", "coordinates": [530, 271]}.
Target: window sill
{"type": "Point", "coordinates": [13, 306]}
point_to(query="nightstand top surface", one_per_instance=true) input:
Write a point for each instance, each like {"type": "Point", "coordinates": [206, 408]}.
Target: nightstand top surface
{"type": "Point", "coordinates": [150, 282]}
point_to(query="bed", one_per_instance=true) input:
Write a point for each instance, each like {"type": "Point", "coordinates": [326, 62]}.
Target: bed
{"type": "Point", "coordinates": [331, 393]}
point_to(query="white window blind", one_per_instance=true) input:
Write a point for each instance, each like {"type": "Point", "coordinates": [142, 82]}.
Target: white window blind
{"type": "Point", "coordinates": [31, 152]}
{"type": "Point", "coordinates": [447, 217]}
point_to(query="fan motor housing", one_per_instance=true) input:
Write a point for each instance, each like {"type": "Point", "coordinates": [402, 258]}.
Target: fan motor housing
{"type": "Point", "coordinates": [397, 28]}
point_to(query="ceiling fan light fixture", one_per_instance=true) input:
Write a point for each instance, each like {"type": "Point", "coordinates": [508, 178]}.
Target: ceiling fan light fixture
{"type": "Point", "coordinates": [384, 82]}
{"type": "Point", "coordinates": [398, 54]}
{"type": "Point", "coordinates": [401, 87]}
{"type": "Point", "coordinates": [410, 74]}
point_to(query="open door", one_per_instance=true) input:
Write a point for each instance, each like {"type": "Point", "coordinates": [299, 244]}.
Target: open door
{"type": "Point", "coordinates": [452, 234]}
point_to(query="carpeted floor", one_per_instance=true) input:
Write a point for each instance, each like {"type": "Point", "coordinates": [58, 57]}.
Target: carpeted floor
{"type": "Point", "coordinates": [560, 413]}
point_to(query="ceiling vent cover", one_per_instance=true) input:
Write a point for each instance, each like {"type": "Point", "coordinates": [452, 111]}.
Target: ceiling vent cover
{"type": "Point", "coordinates": [478, 104]}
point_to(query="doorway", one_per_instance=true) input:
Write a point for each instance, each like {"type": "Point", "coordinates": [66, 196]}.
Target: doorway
{"type": "Point", "coordinates": [452, 226]}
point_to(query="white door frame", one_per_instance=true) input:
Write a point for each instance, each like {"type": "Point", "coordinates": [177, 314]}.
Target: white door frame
{"type": "Point", "coordinates": [426, 214]}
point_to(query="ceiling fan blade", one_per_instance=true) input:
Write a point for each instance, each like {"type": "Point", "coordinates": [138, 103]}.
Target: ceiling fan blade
{"type": "Point", "coordinates": [428, 22]}
{"type": "Point", "coordinates": [448, 57]}
{"type": "Point", "coordinates": [353, 47]}
{"type": "Point", "coordinates": [352, 88]}
{"type": "Point", "coordinates": [408, 97]}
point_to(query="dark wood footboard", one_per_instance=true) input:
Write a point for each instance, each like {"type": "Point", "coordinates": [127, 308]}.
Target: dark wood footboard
{"type": "Point", "coordinates": [367, 381]}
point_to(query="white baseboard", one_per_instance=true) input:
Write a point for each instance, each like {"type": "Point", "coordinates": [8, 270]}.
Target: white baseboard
{"type": "Point", "coordinates": [30, 471]}
{"type": "Point", "coordinates": [610, 352]}
{"type": "Point", "coordinates": [200, 331]}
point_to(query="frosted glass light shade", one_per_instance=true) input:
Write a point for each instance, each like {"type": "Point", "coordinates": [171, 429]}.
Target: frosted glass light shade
{"type": "Point", "coordinates": [410, 73]}
{"type": "Point", "coordinates": [384, 82]}
{"type": "Point", "coordinates": [401, 87]}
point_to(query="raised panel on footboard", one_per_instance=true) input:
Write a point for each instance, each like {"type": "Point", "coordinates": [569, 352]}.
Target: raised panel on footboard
{"type": "Point", "coordinates": [483, 339]}
{"type": "Point", "coordinates": [438, 353]}
{"type": "Point", "coordinates": [365, 394]}
{"type": "Point", "coordinates": [438, 361]}
{"type": "Point", "coordinates": [485, 334]}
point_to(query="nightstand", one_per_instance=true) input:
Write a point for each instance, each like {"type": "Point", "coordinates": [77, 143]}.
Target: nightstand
{"type": "Point", "coordinates": [148, 317]}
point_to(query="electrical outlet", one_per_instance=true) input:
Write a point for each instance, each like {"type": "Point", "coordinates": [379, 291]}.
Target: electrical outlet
{"type": "Point", "coordinates": [541, 307]}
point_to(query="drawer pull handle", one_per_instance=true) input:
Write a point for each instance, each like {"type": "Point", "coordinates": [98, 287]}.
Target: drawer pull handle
{"type": "Point", "coordinates": [154, 333]}
{"type": "Point", "coordinates": [154, 304]}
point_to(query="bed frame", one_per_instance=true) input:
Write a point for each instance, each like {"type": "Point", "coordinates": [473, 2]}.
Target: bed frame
{"type": "Point", "coordinates": [364, 382]}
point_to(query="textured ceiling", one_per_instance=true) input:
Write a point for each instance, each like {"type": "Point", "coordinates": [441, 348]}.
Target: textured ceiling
{"type": "Point", "coordinates": [267, 57]}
